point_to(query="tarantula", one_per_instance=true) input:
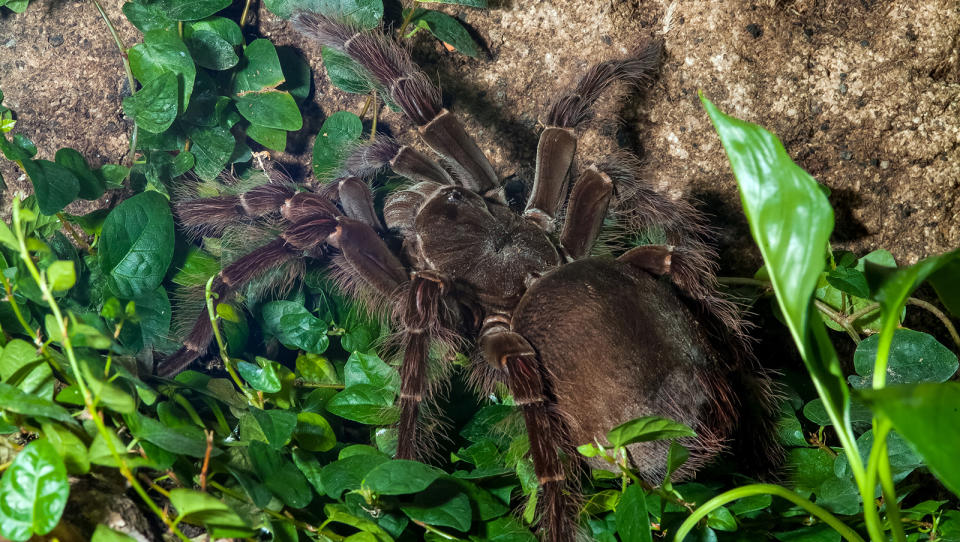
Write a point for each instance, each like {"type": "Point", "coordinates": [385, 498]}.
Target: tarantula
{"type": "Point", "coordinates": [583, 342]}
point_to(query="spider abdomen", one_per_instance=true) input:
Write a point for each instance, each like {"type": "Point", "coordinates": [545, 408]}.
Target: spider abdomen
{"type": "Point", "coordinates": [621, 344]}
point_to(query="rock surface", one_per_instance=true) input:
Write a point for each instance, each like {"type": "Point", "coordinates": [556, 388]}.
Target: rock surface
{"type": "Point", "coordinates": [864, 95]}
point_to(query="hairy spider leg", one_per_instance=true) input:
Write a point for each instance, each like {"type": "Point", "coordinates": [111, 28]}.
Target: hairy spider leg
{"type": "Point", "coordinates": [558, 141]}
{"type": "Point", "coordinates": [405, 84]}
{"type": "Point", "coordinates": [208, 217]}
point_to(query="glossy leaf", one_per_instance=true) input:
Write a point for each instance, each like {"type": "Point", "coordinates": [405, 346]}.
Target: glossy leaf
{"type": "Point", "coordinates": [263, 377]}
{"type": "Point", "coordinates": [206, 510]}
{"type": "Point", "coordinates": [633, 521]}
{"type": "Point", "coordinates": [447, 29]}
{"type": "Point", "coordinates": [33, 492]}
{"type": "Point", "coordinates": [179, 440]}
{"type": "Point", "coordinates": [277, 425]}
{"type": "Point", "coordinates": [313, 432]}
{"type": "Point", "coordinates": [295, 327]}
{"type": "Point", "coordinates": [54, 185]}
{"type": "Point", "coordinates": [337, 134]}
{"type": "Point", "coordinates": [946, 282]}
{"type": "Point", "coordinates": [646, 429]}
{"type": "Point", "coordinates": [154, 107]}
{"type": "Point", "coordinates": [365, 404]}
{"type": "Point", "coordinates": [345, 73]}
{"type": "Point", "coordinates": [191, 10]}
{"type": "Point", "coordinates": [370, 369]}
{"type": "Point", "coordinates": [348, 473]}
{"type": "Point", "coordinates": [925, 415]}
{"type": "Point", "coordinates": [271, 109]}
{"type": "Point", "coordinates": [443, 506]}
{"type": "Point", "coordinates": [15, 400]}
{"type": "Point", "coordinates": [280, 476]}
{"type": "Point", "coordinates": [136, 246]}
{"type": "Point", "coordinates": [163, 51]}
{"type": "Point", "coordinates": [271, 138]}
{"type": "Point", "coordinates": [914, 357]}
{"type": "Point", "coordinates": [211, 51]}
{"type": "Point", "coordinates": [91, 186]}
{"type": "Point", "coordinates": [401, 476]}
{"type": "Point", "coordinates": [211, 148]}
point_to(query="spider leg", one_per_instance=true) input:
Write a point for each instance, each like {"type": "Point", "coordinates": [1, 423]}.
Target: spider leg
{"type": "Point", "coordinates": [209, 216]}
{"type": "Point", "coordinates": [558, 142]}
{"type": "Point", "coordinates": [588, 204]}
{"type": "Point", "coordinates": [357, 201]}
{"type": "Point", "coordinates": [411, 90]}
{"type": "Point", "coordinates": [365, 160]}
{"type": "Point", "coordinates": [549, 433]}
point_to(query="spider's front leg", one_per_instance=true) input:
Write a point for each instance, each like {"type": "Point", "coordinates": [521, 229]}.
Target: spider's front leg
{"type": "Point", "coordinates": [547, 428]}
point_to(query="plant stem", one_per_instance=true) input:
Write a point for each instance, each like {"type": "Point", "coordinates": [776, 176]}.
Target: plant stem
{"type": "Point", "coordinates": [373, 127]}
{"type": "Point", "coordinates": [766, 489]}
{"type": "Point", "coordinates": [890, 497]}
{"type": "Point", "coordinates": [939, 314]}
{"type": "Point", "coordinates": [126, 68]}
{"type": "Point", "coordinates": [227, 362]}
{"type": "Point", "coordinates": [75, 367]}
{"type": "Point", "coordinates": [407, 18]}
{"type": "Point", "coordinates": [243, 15]}
{"type": "Point", "coordinates": [838, 318]}
{"type": "Point", "coordinates": [16, 310]}
{"type": "Point", "coordinates": [435, 531]}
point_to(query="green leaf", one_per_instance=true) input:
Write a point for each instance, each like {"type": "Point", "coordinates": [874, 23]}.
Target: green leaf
{"type": "Point", "coordinates": [646, 429]}
{"type": "Point", "coordinates": [211, 148]}
{"type": "Point", "coordinates": [340, 514]}
{"type": "Point", "coordinates": [296, 73]}
{"type": "Point", "coordinates": [271, 109]}
{"type": "Point", "coordinates": [507, 529]}
{"type": "Point", "coordinates": [337, 134]}
{"type": "Point", "coordinates": [23, 367]}
{"type": "Point", "coordinates": [105, 534]}
{"type": "Point", "coordinates": [54, 185]}
{"type": "Point", "coordinates": [348, 473]}
{"type": "Point", "coordinates": [14, 400]}
{"type": "Point", "coordinates": [314, 433]}
{"type": "Point", "coordinates": [154, 107]}
{"type": "Point", "coordinates": [261, 69]}
{"type": "Point", "coordinates": [677, 455]}
{"type": "Point", "coordinates": [925, 415]}
{"type": "Point", "coordinates": [363, 13]}
{"type": "Point", "coordinates": [271, 138]}
{"type": "Point", "coordinates": [33, 492]}
{"type": "Point", "coordinates": [154, 312]}
{"type": "Point", "coordinates": [722, 520]}
{"type": "Point", "coordinates": [281, 477]}
{"type": "Point", "coordinates": [228, 30]}
{"type": "Point", "coordinates": [61, 275]}
{"type": "Point", "coordinates": [191, 10]}
{"type": "Point", "coordinates": [443, 506]}
{"type": "Point", "coordinates": [820, 532]}
{"type": "Point", "coordinates": [851, 281]}
{"type": "Point", "coordinates": [401, 476]}
{"type": "Point", "coordinates": [345, 73]}
{"type": "Point", "coordinates": [295, 327]}
{"type": "Point", "coordinates": [262, 378]}
{"type": "Point", "coordinates": [317, 369]}
{"type": "Point", "coordinates": [162, 51]}
{"type": "Point", "coordinates": [211, 51]}
{"type": "Point", "coordinates": [790, 220]}
{"type": "Point", "coordinates": [182, 440]}
{"type": "Point", "coordinates": [946, 282]}
{"type": "Point", "coordinates": [447, 29]}
{"type": "Point", "coordinates": [633, 521]}
{"type": "Point", "coordinates": [311, 469]}
{"type": "Point", "coordinates": [91, 186]}
{"type": "Point", "coordinates": [68, 446]}
{"type": "Point", "coordinates": [277, 425]}
{"type": "Point", "coordinates": [365, 404]}
{"type": "Point", "coordinates": [147, 17]}
{"type": "Point", "coordinates": [136, 245]}
{"type": "Point", "coordinates": [198, 508]}
{"type": "Point", "coordinates": [370, 369]}
{"type": "Point", "coordinates": [914, 357]}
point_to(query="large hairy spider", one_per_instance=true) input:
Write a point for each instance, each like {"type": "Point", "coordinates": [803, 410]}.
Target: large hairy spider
{"type": "Point", "coordinates": [583, 342]}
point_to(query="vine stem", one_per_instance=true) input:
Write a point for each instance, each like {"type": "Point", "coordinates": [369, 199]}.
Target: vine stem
{"type": "Point", "coordinates": [222, 345]}
{"type": "Point", "coordinates": [766, 489]}
{"type": "Point", "coordinates": [129, 72]}
{"type": "Point", "coordinates": [88, 402]}
{"type": "Point", "coordinates": [407, 18]}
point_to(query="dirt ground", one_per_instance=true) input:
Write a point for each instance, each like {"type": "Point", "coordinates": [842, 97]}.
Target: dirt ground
{"type": "Point", "coordinates": [864, 95]}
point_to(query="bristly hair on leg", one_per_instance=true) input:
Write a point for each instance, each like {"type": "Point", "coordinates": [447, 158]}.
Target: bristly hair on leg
{"type": "Point", "coordinates": [388, 65]}
{"type": "Point", "coordinates": [365, 160]}
{"type": "Point", "coordinates": [573, 109]}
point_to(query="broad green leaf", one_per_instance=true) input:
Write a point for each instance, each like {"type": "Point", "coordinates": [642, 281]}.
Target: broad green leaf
{"type": "Point", "coordinates": [443, 506]}
{"type": "Point", "coordinates": [23, 367]}
{"type": "Point", "coordinates": [221, 26]}
{"type": "Point", "coordinates": [154, 312]}
{"type": "Point", "coordinates": [91, 186]}
{"type": "Point", "coordinates": [365, 404]}
{"type": "Point", "coordinates": [296, 73]}
{"type": "Point", "coordinates": [197, 267]}
{"type": "Point", "coordinates": [68, 446]}
{"type": "Point", "coordinates": [270, 108]}
{"type": "Point", "coordinates": [314, 433]}
{"type": "Point", "coordinates": [191, 10]}
{"type": "Point", "coordinates": [33, 492]}
{"type": "Point", "coordinates": [925, 415]}
{"type": "Point", "coordinates": [311, 469]}
{"type": "Point", "coordinates": [184, 440]}
{"type": "Point", "coordinates": [370, 369]}
{"type": "Point", "coordinates": [345, 73]}
{"type": "Point", "coordinates": [211, 148]}
{"type": "Point", "coordinates": [677, 455]}
{"type": "Point", "coordinates": [211, 51]}
{"type": "Point", "coordinates": [147, 17]}
{"type": "Point", "coordinates": [446, 29]}
{"type": "Point", "coordinates": [646, 429]}
{"type": "Point", "coordinates": [15, 400]}
{"type": "Point", "coordinates": [401, 476]}
{"type": "Point", "coordinates": [820, 532]}
{"type": "Point", "coordinates": [506, 529]}
{"type": "Point", "coordinates": [105, 534]}
{"type": "Point", "coordinates": [203, 509]}
{"type": "Point", "coordinates": [633, 521]}
{"type": "Point", "coordinates": [262, 377]}
{"type": "Point", "coordinates": [277, 425]}
{"type": "Point", "coordinates": [295, 327]}
{"type": "Point", "coordinates": [363, 13]}
{"type": "Point", "coordinates": [271, 138]}
{"type": "Point", "coordinates": [136, 245]}
{"type": "Point", "coordinates": [54, 185]}
{"type": "Point", "coordinates": [106, 393]}
{"type": "Point", "coordinates": [261, 69]}
{"type": "Point", "coordinates": [348, 473]}
{"type": "Point", "coordinates": [162, 51]}
{"type": "Point", "coordinates": [340, 514]}
{"type": "Point", "coordinates": [154, 107]}
{"type": "Point", "coordinates": [790, 220]}
{"type": "Point", "coordinates": [338, 133]}
{"type": "Point", "coordinates": [317, 369]}
{"type": "Point", "coordinates": [914, 357]}
{"type": "Point", "coordinates": [851, 281]}
{"type": "Point", "coordinates": [280, 476]}
{"type": "Point", "coordinates": [62, 275]}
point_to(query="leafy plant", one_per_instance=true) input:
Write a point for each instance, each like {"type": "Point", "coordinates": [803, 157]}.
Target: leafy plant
{"type": "Point", "coordinates": [289, 436]}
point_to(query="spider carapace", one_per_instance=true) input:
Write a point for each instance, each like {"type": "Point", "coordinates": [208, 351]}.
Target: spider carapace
{"type": "Point", "coordinates": [583, 342]}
